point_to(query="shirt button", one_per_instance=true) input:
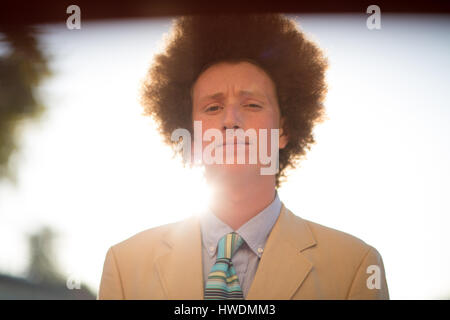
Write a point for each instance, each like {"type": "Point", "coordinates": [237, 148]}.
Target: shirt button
{"type": "Point", "coordinates": [260, 250]}
{"type": "Point", "coordinates": [211, 248]}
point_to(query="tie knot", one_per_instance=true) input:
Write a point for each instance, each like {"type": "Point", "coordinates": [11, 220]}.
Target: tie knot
{"type": "Point", "coordinates": [228, 245]}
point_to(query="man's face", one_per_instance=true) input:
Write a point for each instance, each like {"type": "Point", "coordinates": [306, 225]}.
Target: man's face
{"type": "Point", "coordinates": [236, 96]}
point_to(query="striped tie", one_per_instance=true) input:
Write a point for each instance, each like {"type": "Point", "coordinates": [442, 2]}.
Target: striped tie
{"type": "Point", "coordinates": [223, 283]}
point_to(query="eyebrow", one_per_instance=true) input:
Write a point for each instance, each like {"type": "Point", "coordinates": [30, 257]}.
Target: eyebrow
{"type": "Point", "coordinates": [220, 95]}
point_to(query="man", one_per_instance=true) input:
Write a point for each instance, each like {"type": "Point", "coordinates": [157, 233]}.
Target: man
{"type": "Point", "coordinates": [232, 74]}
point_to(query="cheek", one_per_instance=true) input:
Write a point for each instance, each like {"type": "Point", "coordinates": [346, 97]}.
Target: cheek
{"type": "Point", "coordinates": [268, 122]}
{"type": "Point", "coordinates": [206, 124]}
{"type": "Point", "coordinates": [263, 122]}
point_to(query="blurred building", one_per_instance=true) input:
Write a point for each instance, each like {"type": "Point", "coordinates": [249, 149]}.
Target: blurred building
{"type": "Point", "coordinates": [12, 288]}
{"type": "Point", "coordinates": [43, 280]}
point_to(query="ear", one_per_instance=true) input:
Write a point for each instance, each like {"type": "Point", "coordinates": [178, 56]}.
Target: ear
{"type": "Point", "coordinates": [283, 139]}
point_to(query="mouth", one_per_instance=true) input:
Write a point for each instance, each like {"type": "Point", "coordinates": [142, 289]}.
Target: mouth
{"type": "Point", "coordinates": [234, 144]}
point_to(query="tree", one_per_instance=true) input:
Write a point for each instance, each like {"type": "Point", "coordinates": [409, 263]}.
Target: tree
{"type": "Point", "coordinates": [22, 68]}
{"type": "Point", "coordinates": [42, 267]}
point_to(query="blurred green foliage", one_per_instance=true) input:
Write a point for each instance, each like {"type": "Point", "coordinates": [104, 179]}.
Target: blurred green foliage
{"type": "Point", "coordinates": [23, 66]}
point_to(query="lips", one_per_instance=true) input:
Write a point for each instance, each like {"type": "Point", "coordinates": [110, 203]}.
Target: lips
{"type": "Point", "coordinates": [235, 144]}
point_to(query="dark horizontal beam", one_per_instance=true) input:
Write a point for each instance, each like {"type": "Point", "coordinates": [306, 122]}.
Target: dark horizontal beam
{"type": "Point", "coordinates": [16, 13]}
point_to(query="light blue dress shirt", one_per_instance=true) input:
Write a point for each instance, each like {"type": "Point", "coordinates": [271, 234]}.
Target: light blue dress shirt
{"type": "Point", "coordinates": [254, 232]}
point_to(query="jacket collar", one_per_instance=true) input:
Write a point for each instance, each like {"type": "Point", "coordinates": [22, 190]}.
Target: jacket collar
{"type": "Point", "coordinates": [180, 269]}
{"type": "Point", "coordinates": [255, 231]}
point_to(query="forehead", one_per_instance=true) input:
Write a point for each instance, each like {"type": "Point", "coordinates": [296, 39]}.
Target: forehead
{"type": "Point", "coordinates": [238, 77]}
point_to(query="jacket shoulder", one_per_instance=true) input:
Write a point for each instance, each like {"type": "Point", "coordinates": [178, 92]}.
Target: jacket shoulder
{"type": "Point", "coordinates": [331, 243]}
{"type": "Point", "coordinates": [345, 261]}
{"type": "Point", "coordinates": [336, 247]}
{"type": "Point", "coordinates": [335, 238]}
{"type": "Point", "coordinates": [150, 239]}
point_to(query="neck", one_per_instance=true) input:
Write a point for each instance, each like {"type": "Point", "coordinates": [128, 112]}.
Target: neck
{"type": "Point", "coordinates": [236, 203]}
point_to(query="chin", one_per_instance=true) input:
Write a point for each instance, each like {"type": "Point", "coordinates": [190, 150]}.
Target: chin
{"type": "Point", "coordinates": [234, 172]}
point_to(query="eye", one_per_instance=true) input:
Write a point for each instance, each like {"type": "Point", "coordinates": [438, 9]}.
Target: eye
{"type": "Point", "coordinates": [254, 106]}
{"type": "Point", "coordinates": [212, 108]}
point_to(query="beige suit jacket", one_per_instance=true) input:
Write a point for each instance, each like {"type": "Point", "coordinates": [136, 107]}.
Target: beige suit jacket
{"type": "Point", "coordinates": [301, 260]}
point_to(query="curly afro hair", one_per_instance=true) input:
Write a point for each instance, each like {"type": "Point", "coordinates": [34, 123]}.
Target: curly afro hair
{"type": "Point", "coordinates": [272, 42]}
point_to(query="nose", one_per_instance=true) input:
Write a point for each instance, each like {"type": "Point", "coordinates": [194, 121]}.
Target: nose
{"type": "Point", "coordinates": [232, 118]}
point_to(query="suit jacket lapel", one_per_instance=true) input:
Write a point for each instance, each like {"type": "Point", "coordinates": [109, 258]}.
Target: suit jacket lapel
{"type": "Point", "coordinates": [180, 267]}
{"type": "Point", "coordinates": [283, 267]}
{"type": "Point", "coordinates": [280, 273]}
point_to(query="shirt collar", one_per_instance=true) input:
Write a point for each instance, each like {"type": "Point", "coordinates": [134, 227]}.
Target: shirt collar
{"type": "Point", "coordinates": [254, 232]}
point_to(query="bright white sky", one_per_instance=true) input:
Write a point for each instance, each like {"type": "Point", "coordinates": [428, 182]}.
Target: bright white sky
{"type": "Point", "coordinates": [96, 171]}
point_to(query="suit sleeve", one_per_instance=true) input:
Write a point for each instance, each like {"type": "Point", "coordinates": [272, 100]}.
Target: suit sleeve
{"type": "Point", "coordinates": [111, 284]}
{"type": "Point", "coordinates": [370, 282]}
